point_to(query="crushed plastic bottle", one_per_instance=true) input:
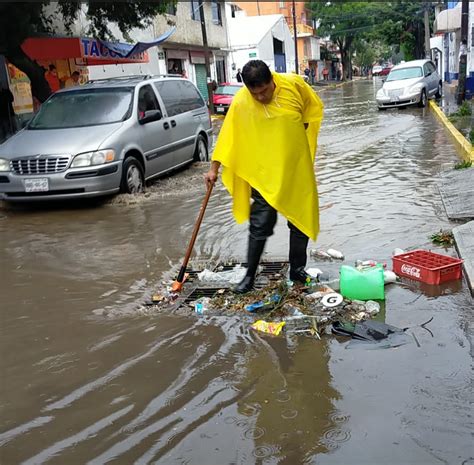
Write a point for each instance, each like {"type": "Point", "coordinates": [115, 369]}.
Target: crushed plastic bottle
{"type": "Point", "coordinates": [333, 253]}
{"type": "Point", "coordinates": [372, 308]}
{"type": "Point", "coordinates": [264, 305]}
{"type": "Point", "coordinates": [201, 305]}
{"type": "Point", "coordinates": [389, 277]}
{"type": "Point", "coordinates": [319, 254]}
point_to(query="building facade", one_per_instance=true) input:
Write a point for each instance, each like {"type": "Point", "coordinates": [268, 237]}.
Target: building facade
{"type": "Point", "coordinates": [307, 41]}
{"type": "Point", "coordinates": [183, 52]}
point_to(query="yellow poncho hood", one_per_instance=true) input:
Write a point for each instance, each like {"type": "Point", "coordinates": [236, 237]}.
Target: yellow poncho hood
{"type": "Point", "coordinates": [267, 147]}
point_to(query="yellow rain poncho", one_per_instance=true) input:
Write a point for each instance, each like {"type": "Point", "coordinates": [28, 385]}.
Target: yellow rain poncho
{"type": "Point", "coordinates": [267, 147]}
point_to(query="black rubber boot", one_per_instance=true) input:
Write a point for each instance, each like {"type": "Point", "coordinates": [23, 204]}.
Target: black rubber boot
{"type": "Point", "coordinates": [298, 256]}
{"type": "Point", "coordinates": [255, 250]}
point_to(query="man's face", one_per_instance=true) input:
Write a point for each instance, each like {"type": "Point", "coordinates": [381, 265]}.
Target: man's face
{"type": "Point", "coordinates": [75, 77]}
{"type": "Point", "coordinates": [264, 93]}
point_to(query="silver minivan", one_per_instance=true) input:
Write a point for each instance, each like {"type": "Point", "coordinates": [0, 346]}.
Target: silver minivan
{"type": "Point", "coordinates": [105, 137]}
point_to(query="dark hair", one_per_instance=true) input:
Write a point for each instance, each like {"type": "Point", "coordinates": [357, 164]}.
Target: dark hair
{"type": "Point", "coordinates": [256, 73]}
{"type": "Point", "coordinates": [51, 67]}
{"type": "Point", "coordinates": [76, 73]}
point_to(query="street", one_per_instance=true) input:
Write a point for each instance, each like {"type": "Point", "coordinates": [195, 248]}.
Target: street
{"type": "Point", "coordinates": [90, 376]}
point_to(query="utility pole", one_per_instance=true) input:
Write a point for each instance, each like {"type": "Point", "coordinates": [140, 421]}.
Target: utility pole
{"type": "Point", "coordinates": [427, 31]}
{"type": "Point", "coordinates": [295, 35]}
{"type": "Point", "coordinates": [207, 61]}
{"type": "Point", "coordinates": [461, 94]}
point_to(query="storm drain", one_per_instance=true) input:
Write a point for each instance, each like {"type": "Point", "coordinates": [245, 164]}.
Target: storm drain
{"type": "Point", "coordinates": [270, 271]}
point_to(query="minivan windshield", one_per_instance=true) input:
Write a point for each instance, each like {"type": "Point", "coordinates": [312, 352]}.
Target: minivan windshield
{"type": "Point", "coordinates": [227, 90]}
{"type": "Point", "coordinates": [405, 73]}
{"type": "Point", "coordinates": [80, 108]}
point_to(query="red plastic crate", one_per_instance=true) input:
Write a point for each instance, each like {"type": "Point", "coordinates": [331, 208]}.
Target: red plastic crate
{"type": "Point", "coordinates": [427, 267]}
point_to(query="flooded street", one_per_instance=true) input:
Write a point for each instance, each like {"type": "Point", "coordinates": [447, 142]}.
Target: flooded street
{"type": "Point", "coordinates": [88, 377]}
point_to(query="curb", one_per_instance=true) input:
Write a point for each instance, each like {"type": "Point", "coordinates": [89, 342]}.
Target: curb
{"type": "Point", "coordinates": [463, 144]}
{"type": "Point", "coordinates": [465, 248]}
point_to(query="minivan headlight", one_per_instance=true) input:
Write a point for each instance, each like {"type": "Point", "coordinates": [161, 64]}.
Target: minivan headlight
{"type": "Point", "coordinates": [4, 164]}
{"type": "Point", "coordinates": [99, 157]}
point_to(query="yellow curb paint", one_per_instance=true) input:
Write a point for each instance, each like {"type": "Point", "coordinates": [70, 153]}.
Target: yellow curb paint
{"type": "Point", "coordinates": [464, 145]}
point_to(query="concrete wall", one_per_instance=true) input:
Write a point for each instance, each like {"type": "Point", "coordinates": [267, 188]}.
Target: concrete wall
{"type": "Point", "coordinates": [189, 31]}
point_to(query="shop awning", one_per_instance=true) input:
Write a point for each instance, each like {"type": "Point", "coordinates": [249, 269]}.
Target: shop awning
{"type": "Point", "coordinates": [448, 20]}
{"type": "Point", "coordinates": [87, 51]}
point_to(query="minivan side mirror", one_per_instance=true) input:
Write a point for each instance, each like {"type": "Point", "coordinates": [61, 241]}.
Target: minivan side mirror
{"type": "Point", "coordinates": [150, 115]}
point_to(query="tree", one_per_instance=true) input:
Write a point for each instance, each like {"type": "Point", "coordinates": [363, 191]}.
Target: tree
{"type": "Point", "coordinates": [403, 26]}
{"type": "Point", "coordinates": [343, 23]}
{"type": "Point", "coordinates": [20, 20]}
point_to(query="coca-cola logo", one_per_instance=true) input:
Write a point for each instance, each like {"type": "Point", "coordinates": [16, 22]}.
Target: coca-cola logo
{"type": "Point", "coordinates": [411, 271]}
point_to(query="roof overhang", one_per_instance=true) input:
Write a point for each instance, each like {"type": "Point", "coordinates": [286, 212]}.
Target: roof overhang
{"type": "Point", "coordinates": [448, 20]}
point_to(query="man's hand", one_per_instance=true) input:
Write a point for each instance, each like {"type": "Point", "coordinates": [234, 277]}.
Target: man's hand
{"type": "Point", "coordinates": [210, 177]}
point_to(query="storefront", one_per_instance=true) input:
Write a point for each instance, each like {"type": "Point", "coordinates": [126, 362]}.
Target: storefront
{"type": "Point", "coordinates": [66, 56]}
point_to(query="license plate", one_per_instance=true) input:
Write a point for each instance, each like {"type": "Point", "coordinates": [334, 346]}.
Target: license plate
{"type": "Point", "coordinates": [220, 109]}
{"type": "Point", "coordinates": [36, 185]}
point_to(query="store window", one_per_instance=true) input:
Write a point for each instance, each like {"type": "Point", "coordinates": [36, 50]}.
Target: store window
{"type": "Point", "coordinates": [195, 10]}
{"type": "Point", "coordinates": [216, 13]}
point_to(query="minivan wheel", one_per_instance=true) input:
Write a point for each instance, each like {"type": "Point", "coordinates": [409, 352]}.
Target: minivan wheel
{"type": "Point", "coordinates": [439, 92]}
{"type": "Point", "coordinates": [133, 180]}
{"type": "Point", "coordinates": [201, 153]}
{"type": "Point", "coordinates": [422, 102]}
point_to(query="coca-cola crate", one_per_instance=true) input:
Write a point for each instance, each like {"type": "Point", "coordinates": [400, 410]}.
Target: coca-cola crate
{"type": "Point", "coordinates": [427, 267]}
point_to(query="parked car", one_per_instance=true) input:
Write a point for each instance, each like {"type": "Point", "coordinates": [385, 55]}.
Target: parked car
{"type": "Point", "coordinates": [105, 137]}
{"type": "Point", "coordinates": [223, 95]}
{"type": "Point", "coordinates": [376, 70]}
{"type": "Point", "coordinates": [381, 70]}
{"type": "Point", "coordinates": [410, 83]}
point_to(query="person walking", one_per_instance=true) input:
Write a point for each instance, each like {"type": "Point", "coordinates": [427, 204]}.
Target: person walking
{"type": "Point", "coordinates": [266, 147]}
{"type": "Point", "coordinates": [238, 76]}
{"type": "Point", "coordinates": [325, 74]}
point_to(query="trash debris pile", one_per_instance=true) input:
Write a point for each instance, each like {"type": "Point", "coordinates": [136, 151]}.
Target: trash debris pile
{"type": "Point", "coordinates": [342, 306]}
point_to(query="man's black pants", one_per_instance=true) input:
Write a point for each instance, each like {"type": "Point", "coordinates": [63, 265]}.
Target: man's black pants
{"type": "Point", "coordinates": [263, 218]}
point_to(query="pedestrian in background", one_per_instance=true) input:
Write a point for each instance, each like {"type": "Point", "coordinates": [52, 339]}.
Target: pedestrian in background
{"type": "Point", "coordinates": [266, 147]}
{"type": "Point", "coordinates": [313, 75]}
{"type": "Point", "coordinates": [8, 125]}
{"type": "Point", "coordinates": [73, 80]}
{"type": "Point", "coordinates": [52, 77]}
{"type": "Point", "coordinates": [238, 76]}
{"type": "Point", "coordinates": [325, 74]}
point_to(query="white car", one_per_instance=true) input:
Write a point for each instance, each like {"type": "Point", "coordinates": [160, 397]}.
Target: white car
{"type": "Point", "coordinates": [410, 83]}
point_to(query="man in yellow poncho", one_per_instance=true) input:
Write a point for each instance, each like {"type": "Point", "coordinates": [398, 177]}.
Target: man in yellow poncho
{"type": "Point", "coordinates": [266, 147]}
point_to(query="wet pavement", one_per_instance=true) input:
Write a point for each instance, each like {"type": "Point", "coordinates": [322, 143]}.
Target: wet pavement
{"type": "Point", "coordinates": [81, 388]}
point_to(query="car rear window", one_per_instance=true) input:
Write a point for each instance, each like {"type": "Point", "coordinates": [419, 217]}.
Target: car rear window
{"type": "Point", "coordinates": [227, 90]}
{"type": "Point", "coordinates": [80, 108]}
{"type": "Point", "coordinates": [405, 73]}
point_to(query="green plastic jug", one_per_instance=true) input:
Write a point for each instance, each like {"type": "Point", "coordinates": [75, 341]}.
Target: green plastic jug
{"type": "Point", "coordinates": [367, 284]}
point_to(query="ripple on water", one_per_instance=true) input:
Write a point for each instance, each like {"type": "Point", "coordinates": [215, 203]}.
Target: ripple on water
{"type": "Point", "coordinates": [262, 452]}
{"type": "Point", "coordinates": [254, 433]}
{"type": "Point", "coordinates": [338, 418]}
{"type": "Point", "coordinates": [337, 435]}
{"type": "Point", "coordinates": [249, 410]}
{"type": "Point", "coordinates": [289, 414]}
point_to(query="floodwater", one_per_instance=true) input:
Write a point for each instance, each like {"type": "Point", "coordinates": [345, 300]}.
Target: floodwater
{"type": "Point", "coordinates": [87, 377]}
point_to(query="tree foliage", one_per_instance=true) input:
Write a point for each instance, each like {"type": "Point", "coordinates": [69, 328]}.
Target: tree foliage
{"type": "Point", "coordinates": [378, 25]}
{"type": "Point", "coordinates": [20, 20]}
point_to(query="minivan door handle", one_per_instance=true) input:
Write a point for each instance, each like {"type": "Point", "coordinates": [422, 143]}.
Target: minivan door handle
{"type": "Point", "coordinates": [173, 123]}
{"type": "Point", "coordinates": [166, 125]}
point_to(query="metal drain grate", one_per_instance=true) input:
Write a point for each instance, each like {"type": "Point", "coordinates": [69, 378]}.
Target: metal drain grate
{"type": "Point", "coordinates": [201, 292]}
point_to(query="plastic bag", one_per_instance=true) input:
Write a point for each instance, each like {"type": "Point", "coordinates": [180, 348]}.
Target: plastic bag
{"type": "Point", "coordinates": [367, 284]}
{"type": "Point", "coordinates": [233, 276]}
{"type": "Point", "coordinates": [269, 328]}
